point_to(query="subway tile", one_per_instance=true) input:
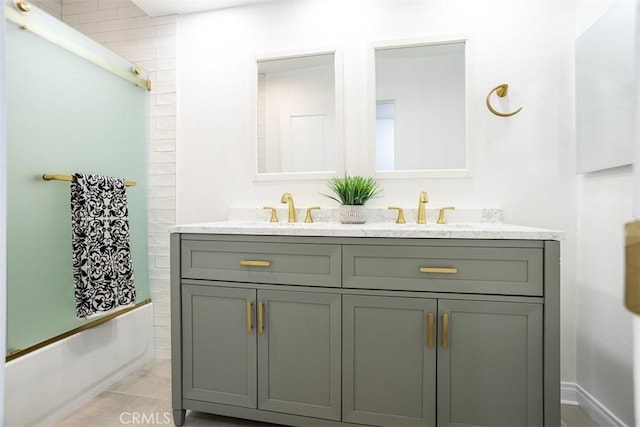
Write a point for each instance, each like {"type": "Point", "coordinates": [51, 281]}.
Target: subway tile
{"type": "Point", "coordinates": [163, 144]}
{"type": "Point", "coordinates": [158, 227]}
{"type": "Point", "coordinates": [165, 168]}
{"type": "Point", "coordinates": [160, 64]}
{"type": "Point", "coordinates": [88, 29]}
{"type": "Point", "coordinates": [162, 180]}
{"type": "Point", "coordinates": [168, 51]}
{"type": "Point", "coordinates": [162, 157]}
{"type": "Point", "coordinates": [164, 203]}
{"type": "Point", "coordinates": [138, 55]}
{"type": "Point", "coordinates": [162, 309]}
{"type": "Point", "coordinates": [161, 332]}
{"type": "Point", "coordinates": [166, 30]}
{"type": "Point", "coordinates": [71, 19]}
{"type": "Point", "coordinates": [166, 75]}
{"type": "Point", "coordinates": [162, 134]}
{"type": "Point", "coordinates": [162, 110]}
{"type": "Point", "coordinates": [160, 285]}
{"type": "Point", "coordinates": [163, 354]}
{"type": "Point", "coordinates": [156, 273]}
{"type": "Point", "coordinates": [163, 87]}
{"type": "Point", "coordinates": [163, 122]}
{"type": "Point", "coordinates": [114, 4]}
{"type": "Point", "coordinates": [97, 16]}
{"type": "Point", "coordinates": [136, 34]}
{"type": "Point", "coordinates": [164, 192]}
{"type": "Point", "coordinates": [163, 217]}
{"type": "Point", "coordinates": [162, 320]}
{"type": "Point", "coordinates": [106, 39]}
{"type": "Point", "coordinates": [158, 250]}
{"type": "Point", "coordinates": [162, 344]}
{"type": "Point", "coordinates": [160, 296]}
{"type": "Point", "coordinates": [69, 8]}
{"type": "Point", "coordinates": [117, 24]}
{"type": "Point", "coordinates": [165, 98]}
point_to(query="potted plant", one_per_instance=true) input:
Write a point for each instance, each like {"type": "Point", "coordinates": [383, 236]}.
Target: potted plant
{"type": "Point", "coordinates": [352, 192]}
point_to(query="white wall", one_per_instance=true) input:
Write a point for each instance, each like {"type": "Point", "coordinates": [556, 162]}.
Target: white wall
{"type": "Point", "coordinates": [524, 164]}
{"type": "Point", "coordinates": [150, 43]}
{"type": "Point", "coordinates": [604, 328]}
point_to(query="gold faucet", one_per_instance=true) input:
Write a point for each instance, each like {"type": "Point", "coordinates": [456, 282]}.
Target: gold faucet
{"type": "Point", "coordinates": [422, 216]}
{"type": "Point", "coordinates": [288, 198]}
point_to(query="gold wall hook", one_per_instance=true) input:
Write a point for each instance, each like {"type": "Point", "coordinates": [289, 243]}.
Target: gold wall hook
{"type": "Point", "coordinates": [501, 91]}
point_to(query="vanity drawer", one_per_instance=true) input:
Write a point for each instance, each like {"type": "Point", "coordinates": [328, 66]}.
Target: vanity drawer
{"type": "Point", "coordinates": [500, 270]}
{"type": "Point", "coordinates": [260, 262]}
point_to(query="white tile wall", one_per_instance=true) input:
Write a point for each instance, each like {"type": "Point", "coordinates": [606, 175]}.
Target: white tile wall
{"type": "Point", "coordinates": [151, 44]}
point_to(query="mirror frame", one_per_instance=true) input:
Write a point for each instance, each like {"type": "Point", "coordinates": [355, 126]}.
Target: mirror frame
{"type": "Point", "coordinates": [339, 116]}
{"type": "Point", "coordinates": [371, 106]}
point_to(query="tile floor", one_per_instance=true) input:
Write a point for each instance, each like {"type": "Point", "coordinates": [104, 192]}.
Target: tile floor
{"type": "Point", "coordinates": [144, 399]}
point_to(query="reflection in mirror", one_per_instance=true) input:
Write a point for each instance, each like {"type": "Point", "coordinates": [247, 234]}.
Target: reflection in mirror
{"type": "Point", "coordinates": [420, 107]}
{"type": "Point", "coordinates": [296, 114]}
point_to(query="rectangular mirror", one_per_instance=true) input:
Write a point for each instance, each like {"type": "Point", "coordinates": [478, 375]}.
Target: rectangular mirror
{"type": "Point", "coordinates": [298, 116]}
{"type": "Point", "coordinates": [420, 109]}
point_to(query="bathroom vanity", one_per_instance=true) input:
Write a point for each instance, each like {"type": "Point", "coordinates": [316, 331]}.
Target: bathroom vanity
{"type": "Point", "coordinates": [378, 324]}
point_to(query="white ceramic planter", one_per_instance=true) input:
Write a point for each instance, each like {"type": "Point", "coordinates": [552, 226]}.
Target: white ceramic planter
{"type": "Point", "coordinates": [353, 214]}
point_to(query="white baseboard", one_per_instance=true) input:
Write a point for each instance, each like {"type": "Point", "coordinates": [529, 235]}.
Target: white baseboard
{"type": "Point", "coordinates": [45, 386]}
{"type": "Point", "coordinates": [573, 394]}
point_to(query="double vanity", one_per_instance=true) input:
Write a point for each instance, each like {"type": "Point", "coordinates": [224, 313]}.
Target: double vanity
{"type": "Point", "coordinates": [377, 324]}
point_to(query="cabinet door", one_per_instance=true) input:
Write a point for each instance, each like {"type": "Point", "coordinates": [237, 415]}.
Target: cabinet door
{"type": "Point", "coordinates": [389, 361]}
{"type": "Point", "coordinates": [219, 345]}
{"type": "Point", "coordinates": [489, 363]}
{"type": "Point", "coordinates": [299, 352]}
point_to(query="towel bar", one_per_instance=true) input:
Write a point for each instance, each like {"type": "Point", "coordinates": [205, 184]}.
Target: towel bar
{"type": "Point", "coordinates": [70, 178]}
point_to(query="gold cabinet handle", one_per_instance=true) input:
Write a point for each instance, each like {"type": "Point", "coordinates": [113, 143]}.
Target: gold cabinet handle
{"type": "Point", "coordinates": [445, 331]}
{"type": "Point", "coordinates": [443, 270]}
{"type": "Point", "coordinates": [249, 317]}
{"type": "Point", "coordinates": [253, 263]}
{"type": "Point", "coordinates": [430, 330]}
{"type": "Point", "coordinates": [260, 317]}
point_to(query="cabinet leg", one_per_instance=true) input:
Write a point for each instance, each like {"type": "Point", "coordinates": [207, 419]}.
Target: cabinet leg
{"type": "Point", "coordinates": [178, 416]}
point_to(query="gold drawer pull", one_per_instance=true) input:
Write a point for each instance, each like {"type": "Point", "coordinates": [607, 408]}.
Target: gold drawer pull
{"type": "Point", "coordinates": [252, 263]}
{"type": "Point", "coordinates": [249, 317]}
{"type": "Point", "coordinates": [430, 331]}
{"type": "Point", "coordinates": [443, 270]}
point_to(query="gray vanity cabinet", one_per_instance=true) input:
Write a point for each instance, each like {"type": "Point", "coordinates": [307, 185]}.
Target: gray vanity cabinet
{"type": "Point", "coordinates": [484, 356]}
{"type": "Point", "coordinates": [299, 353]}
{"type": "Point", "coordinates": [342, 331]}
{"type": "Point", "coordinates": [267, 349]}
{"type": "Point", "coordinates": [389, 362]}
{"type": "Point", "coordinates": [220, 351]}
{"type": "Point", "coordinates": [490, 369]}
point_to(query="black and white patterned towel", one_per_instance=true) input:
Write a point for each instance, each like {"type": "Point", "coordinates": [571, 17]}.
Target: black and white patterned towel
{"type": "Point", "coordinates": [102, 268]}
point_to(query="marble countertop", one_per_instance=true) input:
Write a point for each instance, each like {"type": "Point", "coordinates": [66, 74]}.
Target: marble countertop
{"type": "Point", "coordinates": [459, 230]}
